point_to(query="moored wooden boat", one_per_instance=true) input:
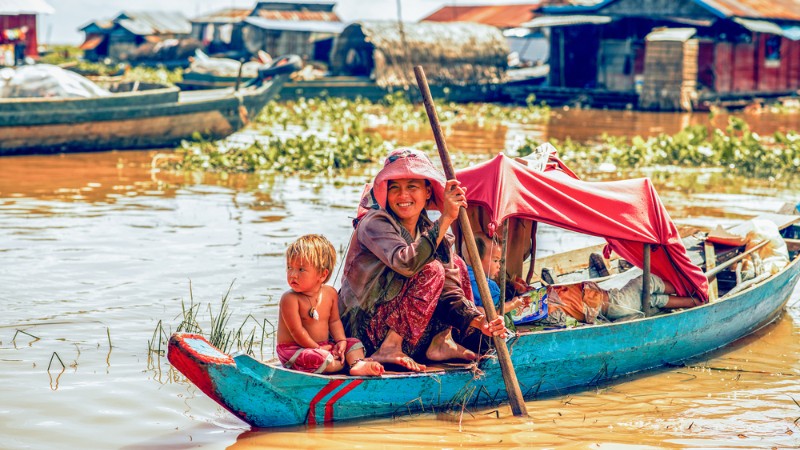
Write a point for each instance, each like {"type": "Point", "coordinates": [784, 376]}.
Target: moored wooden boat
{"type": "Point", "coordinates": [350, 87]}
{"type": "Point", "coordinates": [267, 395]}
{"type": "Point", "coordinates": [140, 116]}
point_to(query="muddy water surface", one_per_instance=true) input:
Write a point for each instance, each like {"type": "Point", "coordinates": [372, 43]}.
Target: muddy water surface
{"type": "Point", "coordinates": [95, 250]}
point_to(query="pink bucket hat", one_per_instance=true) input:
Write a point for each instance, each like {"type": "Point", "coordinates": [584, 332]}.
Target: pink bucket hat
{"type": "Point", "coordinates": [412, 164]}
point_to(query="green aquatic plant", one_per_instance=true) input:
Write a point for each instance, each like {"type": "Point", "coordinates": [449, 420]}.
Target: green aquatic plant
{"type": "Point", "coordinates": [736, 149]}
{"type": "Point", "coordinates": [216, 328]}
{"type": "Point", "coordinates": [345, 134]}
{"type": "Point", "coordinates": [308, 153]}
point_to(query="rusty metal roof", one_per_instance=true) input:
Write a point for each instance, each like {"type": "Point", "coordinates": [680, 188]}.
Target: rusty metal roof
{"type": "Point", "coordinates": [752, 9]}
{"type": "Point", "coordinates": [314, 10]}
{"type": "Point", "coordinates": [762, 9]}
{"type": "Point", "coordinates": [501, 16]}
{"type": "Point", "coordinates": [228, 15]}
{"type": "Point", "coordinates": [311, 26]}
{"type": "Point", "coordinates": [319, 16]}
{"type": "Point", "coordinates": [154, 22]}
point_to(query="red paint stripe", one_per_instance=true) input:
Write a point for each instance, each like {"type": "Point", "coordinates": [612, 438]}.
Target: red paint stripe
{"type": "Point", "coordinates": [335, 398]}
{"type": "Point", "coordinates": [333, 384]}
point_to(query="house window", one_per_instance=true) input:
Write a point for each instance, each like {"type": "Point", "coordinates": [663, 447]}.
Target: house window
{"type": "Point", "coordinates": [772, 51]}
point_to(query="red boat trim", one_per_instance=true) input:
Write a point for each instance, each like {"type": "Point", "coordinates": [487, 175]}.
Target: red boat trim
{"type": "Point", "coordinates": [336, 397]}
{"type": "Point", "coordinates": [333, 384]}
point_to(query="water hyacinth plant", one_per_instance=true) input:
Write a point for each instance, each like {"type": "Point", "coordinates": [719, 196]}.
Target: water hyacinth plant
{"type": "Point", "coordinates": [736, 149]}
{"type": "Point", "coordinates": [343, 134]}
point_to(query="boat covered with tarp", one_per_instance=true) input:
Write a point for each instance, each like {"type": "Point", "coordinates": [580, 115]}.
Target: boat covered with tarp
{"type": "Point", "coordinates": [132, 115]}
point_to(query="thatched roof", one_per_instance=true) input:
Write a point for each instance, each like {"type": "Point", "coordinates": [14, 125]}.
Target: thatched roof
{"type": "Point", "coordinates": [456, 53]}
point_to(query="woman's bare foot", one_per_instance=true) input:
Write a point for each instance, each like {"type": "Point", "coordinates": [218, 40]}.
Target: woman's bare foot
{"type": "Point", "coordinates": [443, 348]}
{"type": "Point", "coordinates": [391, 353]}
{"type": "Point", "coordinates": [366, 367]}
{"type": "Point", "coordinates": [398, 358]}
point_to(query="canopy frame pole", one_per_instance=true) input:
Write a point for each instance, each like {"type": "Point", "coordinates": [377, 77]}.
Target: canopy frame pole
{"type": "Point", "coordinates": [503, 356]}
{"type": "Point", "coordinates": [503, 274]}
{"type": "Point", "coordinates": [647, 309]}
{"type": "Point", "coordinates": [529, 275]}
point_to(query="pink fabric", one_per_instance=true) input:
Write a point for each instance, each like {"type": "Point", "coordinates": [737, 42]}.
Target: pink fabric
{"type": "Point", "coordinates": [311, 360]}
{"type": "Point", "coordinates": [409, 313]}
{"type": "Point", "coordinates": [626, 213]}
{"type": "Point", "coordinates": [412, 164]}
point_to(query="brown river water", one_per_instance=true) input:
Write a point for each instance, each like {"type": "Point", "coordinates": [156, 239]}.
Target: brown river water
{"type": "Point", "coordinates": [96, 249]}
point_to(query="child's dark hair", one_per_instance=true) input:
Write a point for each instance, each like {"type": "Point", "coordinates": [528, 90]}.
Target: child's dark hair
{"type": "Point", "coordinates": [482, 241]}
{"type": "Point", "coordinates": [316, 249]}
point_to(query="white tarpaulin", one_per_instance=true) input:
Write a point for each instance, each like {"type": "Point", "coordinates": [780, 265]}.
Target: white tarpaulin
{"type": "Point", "coordinates": [47, 81]}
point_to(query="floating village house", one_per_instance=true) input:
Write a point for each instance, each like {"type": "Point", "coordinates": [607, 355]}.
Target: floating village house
{"type": "Point", "coordinates": [671, 54]}
{"type": "Point", "coordinates": [529, 46]}
{"type": "Point", "coordinates": [128, 34]}
{"type": "Point", "coordinates": [18, 34]}
{"type": "Point", "coordinates": [220, 32]}
{"type": "Point", "coordinates": [306, 28]}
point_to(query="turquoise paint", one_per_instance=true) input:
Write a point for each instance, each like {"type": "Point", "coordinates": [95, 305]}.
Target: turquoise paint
{"type": "Point", "coordinates": [549, 361]}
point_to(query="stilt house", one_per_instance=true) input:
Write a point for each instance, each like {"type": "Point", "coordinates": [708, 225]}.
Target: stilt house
{"type": "Point", "coordinates": [18, 33]}
{"type": "Point", "coordinates": [306, 28]}
{"type": "Point", "coordinates": [220, 32]}
{"type": "Point", "coordinates": [122, 37]}
{"type": "Point", "coordinates": [672, 54]}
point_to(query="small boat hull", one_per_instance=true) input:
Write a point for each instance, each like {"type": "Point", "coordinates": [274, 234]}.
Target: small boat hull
{"type": "Point", "coordinates": [265, 395]}
{"type": "Point", "coordinates": [154, 118]}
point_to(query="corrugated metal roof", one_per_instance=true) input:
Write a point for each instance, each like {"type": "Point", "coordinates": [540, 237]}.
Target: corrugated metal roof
{"type": "Point", "coordinates": [791, 32]}
{"type": "Point", "coordinates": [563, 21]}
{"type": "Point", "coordinates": [752, 9]}
{"type": "Point", "coordinates": [759, 26]}
{"type": "Point", "coordinates": [15, 7]}
{"type": "Point", "coordinates": [501, 16]}
{"type": "Point", "coordinates": [671, 34]}
{"type": "Point", "coordinates": [320, 16]}
{"type": "Point", "coordinates": [764, 9]}
{"type": "Point", "coordinates": [312, 26]}
{"type": "Point", "coordinates": [294, 3]}
{"type": "Point", "coordinates": [154, 22]}
{"type": "Point", "coordinates": [228, 15]}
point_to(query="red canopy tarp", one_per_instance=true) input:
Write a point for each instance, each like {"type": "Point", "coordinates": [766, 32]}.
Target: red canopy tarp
{"type": "Point", "coordinates": [626, 213]}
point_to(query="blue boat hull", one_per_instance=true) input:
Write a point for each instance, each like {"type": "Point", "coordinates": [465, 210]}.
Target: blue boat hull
{"type": "Point", "coordinates": [270, 396]}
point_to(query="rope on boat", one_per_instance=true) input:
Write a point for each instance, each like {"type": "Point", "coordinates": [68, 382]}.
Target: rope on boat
{"type": "Point", "coordinates": [243, 116]}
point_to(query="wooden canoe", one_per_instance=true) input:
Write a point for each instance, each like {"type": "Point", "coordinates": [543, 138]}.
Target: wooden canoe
{"type": "Point", "coordinates": [140, 115]}
{"type": "Point", "coordinates": [267, 395]}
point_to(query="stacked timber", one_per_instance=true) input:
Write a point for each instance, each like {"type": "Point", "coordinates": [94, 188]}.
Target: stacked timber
{"type": "Point", "coordinates": [670, 70]}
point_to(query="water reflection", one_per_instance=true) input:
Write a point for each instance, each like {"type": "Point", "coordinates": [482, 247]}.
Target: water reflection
{"type": "Point", "coordinates": [586, 125]}
{"type": "Point", "coordinates": [97, 249]}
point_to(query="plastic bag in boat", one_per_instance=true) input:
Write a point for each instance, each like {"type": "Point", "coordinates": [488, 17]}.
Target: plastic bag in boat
{"type": "Point", "coordinates": [775, 255]}
{"type": "Point", "coordinates": [536, 310]}
{"type": "Point", "coordinates": [223, 67]}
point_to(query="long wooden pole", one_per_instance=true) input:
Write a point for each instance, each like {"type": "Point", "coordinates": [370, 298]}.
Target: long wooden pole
{"type": "Point", "coordinates": [712, 273]}
{"type": "Point", "coordinates": [647, 309]}
{"type": "Point", "coordinates": [509, 376]}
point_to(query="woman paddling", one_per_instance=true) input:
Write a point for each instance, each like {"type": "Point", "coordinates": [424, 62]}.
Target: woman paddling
{"type": "Point", "coordinates": [401, 292]}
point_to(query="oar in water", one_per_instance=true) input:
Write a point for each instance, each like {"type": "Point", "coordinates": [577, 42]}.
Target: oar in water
{"type": "Point", "coordinates": [509, 376]}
